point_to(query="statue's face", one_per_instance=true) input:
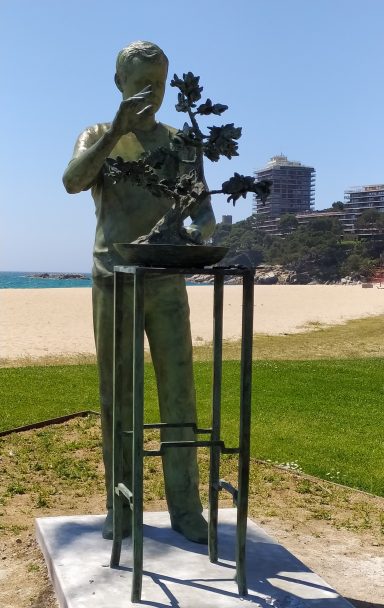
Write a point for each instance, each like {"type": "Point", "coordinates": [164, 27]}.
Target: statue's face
{"type": "Point", "coordinates": [141, 74]}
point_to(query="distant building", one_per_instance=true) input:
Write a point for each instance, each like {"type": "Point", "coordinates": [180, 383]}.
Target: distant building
{"type": "Point", "coordinates": [227, 219]}
{"type": "Point", "coordinates": [356, 201]}
{"type": "Point", "coordinates": [271, 226]}
{"type": "Point", "coordinates": [307, 217]}
{"type": "Point", "coordinates": [293, 188]}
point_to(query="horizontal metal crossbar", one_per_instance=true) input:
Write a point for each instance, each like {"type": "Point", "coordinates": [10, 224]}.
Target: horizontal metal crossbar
{"type": "Point", "coordinates": [178, 425]}
{"type": "Point", "coordinates": [174, 425]}
{"type": "Point", "coordinates": [215, 271]}
{"type": "Point", "coordinates": [191, 444]}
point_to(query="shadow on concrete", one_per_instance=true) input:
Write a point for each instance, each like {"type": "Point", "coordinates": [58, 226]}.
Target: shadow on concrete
{"type": "Point", "coordinates": [271, 570]}
{"type": "Point", "coordinates": [274, 576]}
{"type": "Point", "coordinates": [266, 600]}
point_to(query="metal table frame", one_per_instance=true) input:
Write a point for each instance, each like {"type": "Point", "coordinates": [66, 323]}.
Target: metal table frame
{"type": "Point", "coordinates": [134, 496]}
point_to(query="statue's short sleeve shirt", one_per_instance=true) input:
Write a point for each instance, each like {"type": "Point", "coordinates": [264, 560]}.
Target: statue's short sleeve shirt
{"type": "Point", "coordinates": [123, 210]}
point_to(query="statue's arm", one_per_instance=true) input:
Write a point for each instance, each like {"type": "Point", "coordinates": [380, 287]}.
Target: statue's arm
{"type": "Point", "coordinates": [95, 144]}
{"type": "Point", "coordinates": [202, 216]}
{"type": "Point", "coordinates": [203, 221]}
{"type": "Point", "coordinates": [91, 149]}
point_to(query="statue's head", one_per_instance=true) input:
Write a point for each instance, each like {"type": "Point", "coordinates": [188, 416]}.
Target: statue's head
{"type": "Point", "coordinates": [140, 64]}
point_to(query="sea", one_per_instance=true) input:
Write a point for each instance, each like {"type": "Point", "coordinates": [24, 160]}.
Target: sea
{"type": "Point", "coordinates": [43, 280]}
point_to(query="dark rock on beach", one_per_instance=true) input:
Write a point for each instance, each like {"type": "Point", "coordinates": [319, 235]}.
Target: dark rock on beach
{"type": "Point", "coordinates": [59, 275]}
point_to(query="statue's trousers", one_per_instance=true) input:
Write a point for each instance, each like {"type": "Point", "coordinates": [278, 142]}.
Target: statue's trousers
{"type": "Point", "coordinates": [168, 330]}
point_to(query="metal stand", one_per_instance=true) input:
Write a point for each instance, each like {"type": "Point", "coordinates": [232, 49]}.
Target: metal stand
{"type": "Point", "coordinates": [134, 496]}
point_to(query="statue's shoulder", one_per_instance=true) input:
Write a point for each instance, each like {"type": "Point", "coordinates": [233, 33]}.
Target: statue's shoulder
{"type": "Point", "coordinates": [90, 136]}
{"type": "Point", "coordinates": [94, 132]}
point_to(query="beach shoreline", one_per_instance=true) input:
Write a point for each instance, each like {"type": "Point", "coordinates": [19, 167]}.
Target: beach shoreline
{"type": "Point", "coordinates": [41, 323]}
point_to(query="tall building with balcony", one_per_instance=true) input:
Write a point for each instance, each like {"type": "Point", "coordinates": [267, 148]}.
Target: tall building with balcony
{"type": "Point", "coordinates": [293, 188]}
{"type": "Point", "coordinates": [356, 201]}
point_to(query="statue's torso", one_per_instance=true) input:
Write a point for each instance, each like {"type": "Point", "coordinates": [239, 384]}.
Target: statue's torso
{"type": "Point", "coordinates": [124, 211]}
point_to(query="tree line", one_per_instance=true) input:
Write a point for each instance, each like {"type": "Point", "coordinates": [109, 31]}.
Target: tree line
{"type": "Point", "coordinates": [318, 248]}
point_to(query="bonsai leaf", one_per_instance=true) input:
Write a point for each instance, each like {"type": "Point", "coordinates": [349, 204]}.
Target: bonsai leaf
{"type": "Point", "coordinates": [182, 104]}
{"type": "Point", "coordinates": [165, 159]}
{"type": "Point", "coordinates": [240, 185]}
{"type": "Point", "coordinates": [221, 142]}
{"type": "Point", "coordinates": [193, 91]}
{"type": "Point", "coordinates": [208, 108]}
{"type": "Point", "coordinates": [113, 168]}
{"type": "Point", "coordinates": [211, 152]}
{"type": "Point", "coordinates": [139, 173]}
{"type": "Point", "coordinates": [228, 131]}
{"type": "Point", "coordinates": [188, 131]}
{"type": "Point", "coordinates": [177, 82]}
{"type": "Point", "coordinates": [263, 189]}
{"type": "Point", "coordinates": [219, 108]}
{"type": "Point", "coordinates": [189, 87]}
{"type": "Point", "coordinates": [187, 134]}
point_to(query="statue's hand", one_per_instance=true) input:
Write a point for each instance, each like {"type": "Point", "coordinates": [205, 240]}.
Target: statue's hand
{"type": "Point", "coordinates": [131, 111]}
{"type": "Point", "coordinates": [194, 234]}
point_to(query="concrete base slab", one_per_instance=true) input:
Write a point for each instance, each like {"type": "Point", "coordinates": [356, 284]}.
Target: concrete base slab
{"type": "Point", "coordinates": [177, 573]}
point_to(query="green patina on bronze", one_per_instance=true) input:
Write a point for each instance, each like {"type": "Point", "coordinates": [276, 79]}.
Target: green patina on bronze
{"type": "Point", "coordinates": [146, 178]}
{"type": "Point", "coordinates": [182, 166]}
{"type": "Point", "coordinates": [124, 212]}
{"type": "Point", "coordinates": [123, 496]}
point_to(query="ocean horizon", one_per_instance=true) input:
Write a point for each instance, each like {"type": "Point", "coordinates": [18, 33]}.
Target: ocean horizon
{"type": "Point", "coordinates": [49, 280]}
{"type": "Point", "coordinates": [44, 279]}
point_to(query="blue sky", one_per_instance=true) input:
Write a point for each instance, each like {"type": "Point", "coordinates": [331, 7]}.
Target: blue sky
{"type": "Point", "coordinates": [302, 77]}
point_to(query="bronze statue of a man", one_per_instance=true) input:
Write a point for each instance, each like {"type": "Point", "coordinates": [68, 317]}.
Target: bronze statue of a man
{"type": "Point", "coordinates": [125, 211]}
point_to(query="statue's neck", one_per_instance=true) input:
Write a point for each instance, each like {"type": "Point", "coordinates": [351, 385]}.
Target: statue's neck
{"type": "Point", "coordinates": [147, 124]}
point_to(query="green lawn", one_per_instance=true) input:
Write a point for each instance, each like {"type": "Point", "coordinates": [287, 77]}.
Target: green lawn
{"type": "Point", "coordinates": [323, 416]}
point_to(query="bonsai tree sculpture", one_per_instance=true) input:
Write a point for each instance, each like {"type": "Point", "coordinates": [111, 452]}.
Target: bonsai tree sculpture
{"type": "Point", "coordinates": [189, 189]}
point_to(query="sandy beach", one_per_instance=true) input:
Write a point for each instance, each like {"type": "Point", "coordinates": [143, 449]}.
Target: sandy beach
{"type": "Point", "coordinates": [38, 323]}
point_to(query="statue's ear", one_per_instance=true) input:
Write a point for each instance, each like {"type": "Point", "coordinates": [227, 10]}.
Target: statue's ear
{"type": "Point", "coordinates": [118, 83]}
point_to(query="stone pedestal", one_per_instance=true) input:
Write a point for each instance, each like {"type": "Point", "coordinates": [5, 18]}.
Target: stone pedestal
{"type": "Point", "coordinates": [177, 573]}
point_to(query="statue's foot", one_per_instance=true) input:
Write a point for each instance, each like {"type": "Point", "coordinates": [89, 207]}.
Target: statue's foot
{"type": "Point", "coordinates": [193, 526]}
{"type": "Point", "coordinates": [107, 532]}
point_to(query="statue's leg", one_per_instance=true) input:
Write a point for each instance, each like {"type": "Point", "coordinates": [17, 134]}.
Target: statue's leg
{"type": "Point", "coordinates": [169, 334]}
{"type": "Point", "coordinates": [103, 309]}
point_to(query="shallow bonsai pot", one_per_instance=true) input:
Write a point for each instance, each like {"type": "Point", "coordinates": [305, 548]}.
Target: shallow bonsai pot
{"type": "Point", "coordinates": [168, 256]}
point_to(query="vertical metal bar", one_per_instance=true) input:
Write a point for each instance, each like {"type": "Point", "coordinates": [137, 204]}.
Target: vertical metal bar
{"type": "Point", "coordinates": [117, 455]}
{"type": "Point", "coordinates": [245, 427]}
{"type": "Point", "coordinates": [137, 443]}
{"type": "Point", "coordinates": [216, 417]}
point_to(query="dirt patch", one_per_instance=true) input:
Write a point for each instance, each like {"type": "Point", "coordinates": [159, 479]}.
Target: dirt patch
{"type": "Point", "coordinates": [57, 470]}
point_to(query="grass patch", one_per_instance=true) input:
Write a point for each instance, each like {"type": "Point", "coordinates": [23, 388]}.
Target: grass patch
{"type": "Point", "coordinates": [31, 394]}
{"type": "Point", "coordinates": [355, 339]}
{"type": "Point", "coordinates": [301, 502]}
{"type": "Point", "coordinates": [43, 460]}
{"type": "Point", "coordinates": [323, 417]}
